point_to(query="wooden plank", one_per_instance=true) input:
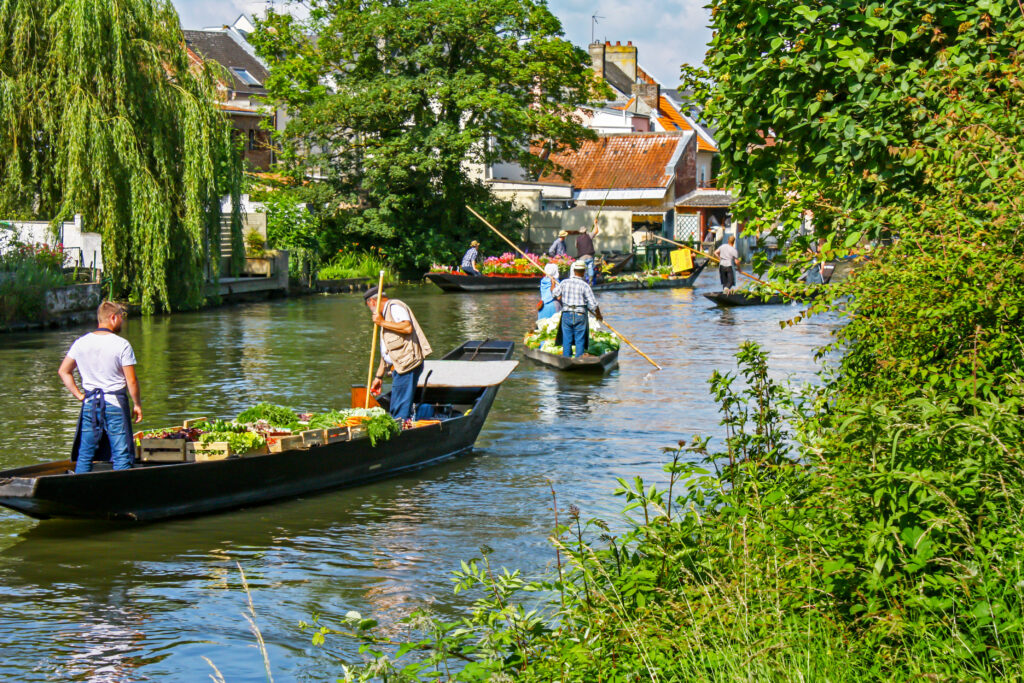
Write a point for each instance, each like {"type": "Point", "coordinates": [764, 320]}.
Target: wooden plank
{"type": "Point", "coordinates": [312, 437]}
{"type": "Point", "coordinates": [188, 424]}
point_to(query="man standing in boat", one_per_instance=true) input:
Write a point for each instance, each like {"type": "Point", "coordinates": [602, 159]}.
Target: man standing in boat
{"type": "Point", "coordinates": [728, 260]}
{"type": "Point", "coordinates": [403, 347]}
{"type": "Point", "coordinates": [585, 249]}
{"type": "Point", "coordinates": [578, 301]}
{"type": "Point", "coordinates": [106, 363]}
{"type": "Point", "coordinates": [469, 259]}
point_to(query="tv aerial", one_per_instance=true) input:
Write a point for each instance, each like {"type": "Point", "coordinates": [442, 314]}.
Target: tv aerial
{"type": "Point", "coordinates": [593, 25]}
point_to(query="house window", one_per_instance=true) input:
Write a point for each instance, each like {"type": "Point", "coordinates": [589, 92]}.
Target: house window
{"type": "Point", "coordinates": [244, 76]}
{"type": "Point", "coordinates": [252, 140]}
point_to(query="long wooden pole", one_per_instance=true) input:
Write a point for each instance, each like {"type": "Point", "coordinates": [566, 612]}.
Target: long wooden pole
{"type": "Point", "coordinates": [757, 280]}
{"type": "Point", "coordinates": [373, 344]}
{"type": "Point", "coordinates": [631, 345]}
{"type": "Point", "coordinates": [537, 266]}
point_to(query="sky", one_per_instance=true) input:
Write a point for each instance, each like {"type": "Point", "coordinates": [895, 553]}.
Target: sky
{"type": "Point", "coordinates": [667, 33]}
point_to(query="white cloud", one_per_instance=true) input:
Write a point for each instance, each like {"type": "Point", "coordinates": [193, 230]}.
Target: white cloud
{"type": "Point", "coordinates": [666, 32]}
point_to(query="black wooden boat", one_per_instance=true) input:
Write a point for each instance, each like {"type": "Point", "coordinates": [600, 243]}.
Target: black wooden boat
{"type": "Point", "coordinates": [156, 491]}
{"type": "Point", "coordinates": [602, 363]}
{"type": "Point", "coordinates": [459, 282]}
{"type": "Point", "coordinates": [744, 298]}
{"type": "Point", "coordinates": [686, 280]}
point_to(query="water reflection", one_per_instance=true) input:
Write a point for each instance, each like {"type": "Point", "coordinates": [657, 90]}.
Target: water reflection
{"type": "Point", "coordinates": [119, 603]}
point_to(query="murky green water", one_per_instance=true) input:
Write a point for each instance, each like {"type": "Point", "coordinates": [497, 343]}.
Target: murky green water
{"type": "Point", "coordinates": [134, 603]}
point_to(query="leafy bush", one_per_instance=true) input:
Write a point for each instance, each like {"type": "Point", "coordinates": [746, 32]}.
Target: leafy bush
{"type": "Point", "coordinates": [27, 272]}
{"type": "Point", "coordinates": [357, 264]}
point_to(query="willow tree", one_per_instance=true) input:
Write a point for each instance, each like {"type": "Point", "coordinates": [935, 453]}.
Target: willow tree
{"type": "Point", "coordinates": [102, 113]}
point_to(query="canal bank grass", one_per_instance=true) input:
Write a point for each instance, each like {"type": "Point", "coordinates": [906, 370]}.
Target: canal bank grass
{"type": "Point", "coordinates": [358, 264]}
{"type": "Point", "coordinates": [828, 541]}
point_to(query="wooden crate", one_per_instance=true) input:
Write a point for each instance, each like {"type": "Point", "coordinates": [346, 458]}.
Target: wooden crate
{"type": "Point", "coordinates": [356, 432]}
{"type": "Point", "coordinates": [205, 452]}
{"type": "Point", "coordinates": [162, 450]}
{"type": "Point", "coordinates": [279, 444]}
{"type": "Point", "coordinates": [262, 450]}
{"type": "Point", "coordinates": [335, 434]}
{"type": "Point", "coordinates": [312, 437]}
{"type": "Point", "coordinates": [188, 424]}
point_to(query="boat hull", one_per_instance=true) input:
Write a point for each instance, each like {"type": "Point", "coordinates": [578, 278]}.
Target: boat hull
{"type": "Point", "coordinates": [602, 363]}
{"type": "Point", "coordinates": [449, 282]}
{"type": "Point", "coordinates": [738, 299]}
{"type": "Point", "coordinates": [161, 491]}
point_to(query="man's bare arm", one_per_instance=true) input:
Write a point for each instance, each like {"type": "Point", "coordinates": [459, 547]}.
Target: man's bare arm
{"type": "Point", "coordinates": [67, 368]}
{"type": "Point", "coordinates": [133, 390]}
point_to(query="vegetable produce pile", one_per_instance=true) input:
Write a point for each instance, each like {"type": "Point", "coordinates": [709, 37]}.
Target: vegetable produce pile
{"type": "Point", "coordinates": [543, 337]}
{"type": "Point", "coordinates": [249, 431]}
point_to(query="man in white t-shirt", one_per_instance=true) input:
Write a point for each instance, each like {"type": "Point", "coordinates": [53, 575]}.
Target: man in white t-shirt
{"type": "Point", "coordinates": [728, 259]}
{"type": "Point", "coordinates": [403, 347]}
{"type": "Point", "coordinates": [106, 363]}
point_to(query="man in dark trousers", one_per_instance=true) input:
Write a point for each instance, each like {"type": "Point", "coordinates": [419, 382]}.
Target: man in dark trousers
{"type": "Point", "coordinates": [403, 346]}
{"type": "Point", "coordinates": [578, 301]}
{"type": "Point", "coordinates": [106, 363]}
{"type": "Point", "coordinates": [585, 249]}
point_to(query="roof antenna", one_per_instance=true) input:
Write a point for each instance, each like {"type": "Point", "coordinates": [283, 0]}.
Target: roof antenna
{"type": "Point", "coordinates": [593, 25]}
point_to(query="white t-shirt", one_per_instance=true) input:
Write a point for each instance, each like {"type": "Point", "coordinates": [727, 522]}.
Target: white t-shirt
{"type": "Point", "coordinates": [101, 359]}
{"type": "Point", "coordinates": [399, 314]}
{"type": "Point", "coordinates": [727, 254]}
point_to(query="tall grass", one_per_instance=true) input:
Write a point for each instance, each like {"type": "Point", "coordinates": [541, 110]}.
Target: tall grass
{"type": "Point", "coordinates": [357, 264]}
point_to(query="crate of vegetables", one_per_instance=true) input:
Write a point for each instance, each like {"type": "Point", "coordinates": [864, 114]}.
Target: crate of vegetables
{"type": "Point", "coordinates": [208, 451]}
{"type": "Point", "coordinates": [162, 450]}
{"type": "Point", "coordinates": [284, 442]}
{"type": "Point", "coordinates": [335, 434]}
{"type": "Point", "coordinates": [312, 437]}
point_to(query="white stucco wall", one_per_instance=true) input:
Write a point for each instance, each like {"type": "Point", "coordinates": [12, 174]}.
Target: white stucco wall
{"type": "Point", "coordinates": [616, 228]}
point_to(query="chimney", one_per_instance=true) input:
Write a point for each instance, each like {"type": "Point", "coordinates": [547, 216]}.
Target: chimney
{"type": "Point", "coordinates": [624, 57]}
{"type": "Point", "coordinates": [597, 59]}
{"type": "Point", "coordinates": [648, 93]}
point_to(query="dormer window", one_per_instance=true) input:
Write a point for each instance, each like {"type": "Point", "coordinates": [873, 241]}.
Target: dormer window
{"type": "Point", "coordinates": [244, 76]}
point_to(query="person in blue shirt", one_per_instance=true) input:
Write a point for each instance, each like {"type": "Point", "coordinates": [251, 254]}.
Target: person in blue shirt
{"type": "Point", "coordinates": [469, 259]}
{"type": "Point", "coordinates": [549, 304]}
{"type": "Point", "coordinates": [557, 247]}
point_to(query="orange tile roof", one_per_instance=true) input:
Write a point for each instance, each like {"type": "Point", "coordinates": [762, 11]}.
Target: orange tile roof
{"type": "Point", "coordinates": [645, 77]}
{"type": "Point", "coordinates": [670, 118]}
{"type": "Point", "coordinates": [627, 161]}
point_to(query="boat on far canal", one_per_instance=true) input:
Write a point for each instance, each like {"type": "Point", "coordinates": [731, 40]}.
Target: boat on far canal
{"type": "Point", "coordinates": [462, 387]}
{"type": "Point", "coordinates": [744, 298]}
{"type": "Point", "coordinates": [460, 282]}
{"type": "Point", "coordinates": [585, 363]}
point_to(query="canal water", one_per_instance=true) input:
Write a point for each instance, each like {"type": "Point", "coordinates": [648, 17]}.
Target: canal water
{"type": "Point", "coordinates": [89, 602]}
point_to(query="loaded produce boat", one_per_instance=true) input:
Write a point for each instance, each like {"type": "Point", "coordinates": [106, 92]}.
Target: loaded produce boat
{"type": "Point", "coordinates": [542, 346]}
{"type": "Point", "coordinates": [517, 275]}
{"type": "Point", "coordinates": [192, 477]}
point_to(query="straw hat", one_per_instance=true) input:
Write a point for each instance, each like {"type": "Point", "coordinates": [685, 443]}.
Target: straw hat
{"type": "Point", "coordinates": [564, 233]}
{"type": "Point", "coordinates": [474, 243]}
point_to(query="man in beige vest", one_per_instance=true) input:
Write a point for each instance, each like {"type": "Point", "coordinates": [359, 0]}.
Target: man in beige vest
{"type": "Point", "coordinates": [403, 347]}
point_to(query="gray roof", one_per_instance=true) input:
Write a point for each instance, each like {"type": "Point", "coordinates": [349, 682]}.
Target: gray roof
{"type": "Point", "coordinates": [220, 47]}
{"type": "Point", "coordinates": [707, 198]}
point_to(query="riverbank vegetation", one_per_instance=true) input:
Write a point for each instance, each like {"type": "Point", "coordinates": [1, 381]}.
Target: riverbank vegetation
{"type": "Point", "coordinates": [863, 528]}
{"type": "Point", "coordinates": [356, 263]}
{"type": "Point", "coordinates": [420, 90]}
{"type": "Point", "coordinates": [105, 116]}
{"type": "Point", "coordinates": [27, 273]}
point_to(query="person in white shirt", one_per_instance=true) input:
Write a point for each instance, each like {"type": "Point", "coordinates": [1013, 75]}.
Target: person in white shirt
{"type": "Point", "coordinates": [106, 363]}
{"type": "Point", "coordinates": [728, 260]}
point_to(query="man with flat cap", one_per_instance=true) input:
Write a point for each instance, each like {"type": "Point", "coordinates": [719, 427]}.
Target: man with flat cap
{"type": "Point", "coordinates": [578, 301]}
{"type": "Point", "coordinates": [403, 346]}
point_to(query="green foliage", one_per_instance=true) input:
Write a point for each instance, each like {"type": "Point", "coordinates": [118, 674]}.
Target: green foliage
{"type": "Point", "coordinates": [104, 116]}
{"type": "Point", "coordinates": [357, 264]}
{"type": "Point", "coordinates": [27, 273]}
{"type": "Point", "coordinates": [277, 416]}
{"type": "Point", "coordinates": [293, 227]}
{"type": "Point", "coordinates": [381, 427]}
{"type": "Point", "coordinates": [418, 90]}
{"type": "Point", "coordinates": [829, 542]}
{"type": "Point", "coordinates": [239, 442]}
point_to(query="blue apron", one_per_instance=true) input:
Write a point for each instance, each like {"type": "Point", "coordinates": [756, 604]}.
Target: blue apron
{"type": "Point", "coordinates": [94, 407]}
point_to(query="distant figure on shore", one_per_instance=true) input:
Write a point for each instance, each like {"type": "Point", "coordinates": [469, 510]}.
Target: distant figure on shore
{"type": "Point", "coordinates": [549, 304]}
{"type": "Point", "coordinates": [557, 247]}
{"type": "Point", "coordinates": [728, 260]}
{"type": "Point", "coordinates": [469, 259]}
{"type": "Point", "coordinates": [585, 249]}
{"type": "Point", "coordinates": [403, 346]}
{"type": "Point", "coordinates": [578, 301]}
{"type": "Point", "coordinates": [106, 363]}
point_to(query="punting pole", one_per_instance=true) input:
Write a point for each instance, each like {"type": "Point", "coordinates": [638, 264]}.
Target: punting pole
{"type": "Point", "coordinates": [373, 344]}
{"type": "Point", "coordinates": [537, 266]}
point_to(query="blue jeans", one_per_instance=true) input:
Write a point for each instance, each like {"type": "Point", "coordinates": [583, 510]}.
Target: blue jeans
{"type": "Point", "coordinates": [403, 390]}
{"type": "Point", "coordinates": [118, 433]}
{"type": "Point", "coordinates": [574, 332]}
{"type": "Point", "coordinates": [470, 270]}
{"type": "Point", "coordinates": [589, 260]}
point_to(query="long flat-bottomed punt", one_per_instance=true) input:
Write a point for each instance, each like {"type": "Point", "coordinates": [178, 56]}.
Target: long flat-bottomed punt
{"type": "Point", "coordinates": [466, 380]}
{"type": "Point", "coordinates": [741, 298]}
{"type": "Point", "coordinates": [459, 282]}
{"type": "Point", "coordinates": [602, 363]}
